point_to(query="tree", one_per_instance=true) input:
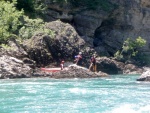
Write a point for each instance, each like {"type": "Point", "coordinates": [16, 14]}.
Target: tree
{"type": "Point", "coordinates": [9, 19]}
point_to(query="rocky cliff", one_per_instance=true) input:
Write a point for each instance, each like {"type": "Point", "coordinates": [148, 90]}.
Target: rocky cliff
{"type": "Point", "coordinates": [101, 31]}
{"type": "Point", "coordinates": [108, 28]}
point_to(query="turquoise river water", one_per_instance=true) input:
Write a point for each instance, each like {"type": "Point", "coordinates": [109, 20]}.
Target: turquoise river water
{"type": "Point", "coordinates": [115, 94]}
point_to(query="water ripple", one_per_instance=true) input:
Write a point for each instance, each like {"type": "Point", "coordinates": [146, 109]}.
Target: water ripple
{"type": "Point", "coordinates": [117, 94]}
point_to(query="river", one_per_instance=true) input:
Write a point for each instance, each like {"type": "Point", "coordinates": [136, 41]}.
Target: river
{"type": "Point", "coordinates": [115, 94]}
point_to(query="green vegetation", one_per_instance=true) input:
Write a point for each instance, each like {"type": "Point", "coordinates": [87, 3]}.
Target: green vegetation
{"type": "Point", "coordinates": [15, 23]}
{"type": "Point", "coordinates": [9, 20]}
{"type": "Point", "coordinates": [33, 26]}
{"type": "Point", "coordinates": [6, 46]}
{"type": "Point", "coordinates": [130, 48]}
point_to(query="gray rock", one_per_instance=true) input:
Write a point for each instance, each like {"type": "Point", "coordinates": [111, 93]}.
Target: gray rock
{"type": "Point", "coordinates": [65, 44]}
{"type": "Point", "coordinates": [11, 67]}
{"type": "Point", "coordinates": [112, 66]}
{"type": "Point", "coordinates": [74, 71]}
{"type": "Point", "coordinates": [145, 76]}
{"type": "Point", "coordinates": [129, 19]}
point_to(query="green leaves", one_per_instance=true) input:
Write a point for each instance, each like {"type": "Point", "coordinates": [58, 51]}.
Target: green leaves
{"type": "Point", "coordinates": [33, 26]}
{"type": "Point", "coordinates": [13, 21]}
{"type": "Point", "coordinates": [130, 48]}
{"type": "Point", "coordinates": [140, 42]}
{"type": "Point", "coordinates": [9, 19]}
{"type": "Point", "coordinates": [133, 45]}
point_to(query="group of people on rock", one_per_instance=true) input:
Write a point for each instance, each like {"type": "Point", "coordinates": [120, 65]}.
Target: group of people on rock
{"type": "Point", "coordinates": [78, 59]}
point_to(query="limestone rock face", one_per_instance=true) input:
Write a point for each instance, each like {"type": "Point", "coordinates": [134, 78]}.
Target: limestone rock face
{"type": "Point", "coordinates": [127, 19]}
{"type": "Point", "coordinates": [130, 20]}
{"type": "Point", "coordinates": [88, 21]}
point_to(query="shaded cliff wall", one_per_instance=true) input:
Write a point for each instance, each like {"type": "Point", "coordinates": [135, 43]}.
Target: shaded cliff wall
{"type": "Point", "coordinates": [130, 20]}
{"type": "Point", "coordinates": [108, 28]}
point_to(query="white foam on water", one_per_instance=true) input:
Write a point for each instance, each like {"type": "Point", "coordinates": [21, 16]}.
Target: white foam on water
{"type": "Point", "coordinates": [78, 91]}
{"type": "Point", "coordinates": [145, 109]}
{"type": "Point", "coordinates": [127, 108]}
{"type": "Point", "coordinates": [132, 108]}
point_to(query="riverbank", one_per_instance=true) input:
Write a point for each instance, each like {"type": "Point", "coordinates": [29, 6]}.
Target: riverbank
{"type": "Point", "coordinates": [24, 59]}
{"type": "Point", "coordinates": [12, 67]}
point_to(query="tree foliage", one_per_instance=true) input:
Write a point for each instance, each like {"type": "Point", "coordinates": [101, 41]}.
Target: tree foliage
{"type": "Point", "coordinates": [15, 23]}
{"type": "Point", "coordinates": [130, 48]}
{"type": "Point", "coordinates": [9, 19]}
{"type": "Point", "coordinates": [33, 26]}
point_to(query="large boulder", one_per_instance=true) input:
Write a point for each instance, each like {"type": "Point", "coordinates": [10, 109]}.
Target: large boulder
{"type": "Point", "coordinates": [37, 49]}
{"type": "Point", "coordinates": [112, 66]}
{"type": "Point", "coordinates": [64, 44]}
{"type": "Point", "coordinates": [109, 66]}
{"type": "Point", "coordinates": [74, 71]}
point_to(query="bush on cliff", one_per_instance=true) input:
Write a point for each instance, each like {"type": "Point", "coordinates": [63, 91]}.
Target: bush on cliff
{"type": "Point", "coordinates": [130, 48]}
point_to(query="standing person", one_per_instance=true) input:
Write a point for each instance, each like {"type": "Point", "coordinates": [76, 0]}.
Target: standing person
{"type": "Point", "coordinates": [78, 59]}
{"type": "Point", "coordinates": [93, 63]}
{"type": "Point", "coordinates": [62, 64]}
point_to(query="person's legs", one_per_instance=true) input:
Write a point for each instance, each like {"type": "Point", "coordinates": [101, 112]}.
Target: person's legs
{"type": "Point", "coordinates": [90, 66]}
{"type": "Point", "coordinates": [62, 66]}
{"type": "Point", "coordinates": [95, 68]}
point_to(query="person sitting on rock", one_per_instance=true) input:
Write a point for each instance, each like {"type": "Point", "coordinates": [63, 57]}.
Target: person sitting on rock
{"type": "Point", "coordinates": [78, 59]}
{"type": "Point", "coordinates": [93, 63]}
{"type": "Point", "coordinates": [62, 64]}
